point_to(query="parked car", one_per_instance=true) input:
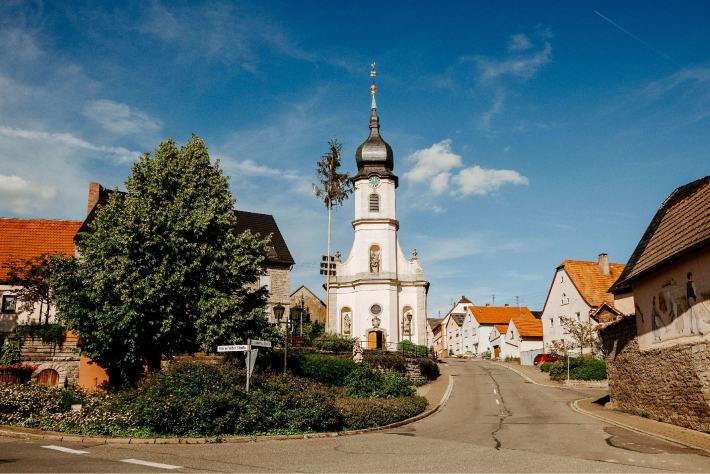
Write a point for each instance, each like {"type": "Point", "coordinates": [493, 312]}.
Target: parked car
{"type": "Point", "coordinates": [545, 358]}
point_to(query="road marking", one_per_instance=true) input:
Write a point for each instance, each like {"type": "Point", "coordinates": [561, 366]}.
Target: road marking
{"type": "Point", "coordinates": [497, 402]}
{"type": "Point", "coordinates": [66, 450]}
{"type": "Point", "coordinates": [494, 391]}
{"type": "Point", "coordinates": [151, 464]}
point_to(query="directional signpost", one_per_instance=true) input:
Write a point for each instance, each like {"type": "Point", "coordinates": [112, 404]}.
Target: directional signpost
{"type": "Point", "coordinates": [251, 353]}
{"type": "Point", "coordinates": [258, 343]}
{"type": "Point", "coordinates": [238, 348]}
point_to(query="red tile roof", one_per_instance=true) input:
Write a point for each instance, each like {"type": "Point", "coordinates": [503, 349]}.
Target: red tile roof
{"type": "Point", "coordinates": [528, 328]}
{"type": "Point", "coordinates": [29, 238]}
{"type": "Point", "coordinates": [499, 314]}
{"type": "Point", "coordinates": [502, 328]}
{"type": "Point", "coordinates": [589, 280]}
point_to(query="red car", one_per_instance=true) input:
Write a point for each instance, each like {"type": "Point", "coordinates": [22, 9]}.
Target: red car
{"type": "Point", "coordinates": [545, 358]}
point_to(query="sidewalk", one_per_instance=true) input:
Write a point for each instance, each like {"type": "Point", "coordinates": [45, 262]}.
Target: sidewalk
{"type": "Point", "coordinates": [434, 391]}
{"type": "Point", "coordinates": [673, 433]}
{"type": "Point", "coordinates": [543, 378]}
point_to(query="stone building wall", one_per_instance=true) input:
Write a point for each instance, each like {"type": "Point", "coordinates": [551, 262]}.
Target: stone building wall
{"type": "Point", "coordinates": [64, 359]}
{"type": "Point", "coordinates": [413, 373]}
{"type": "Point", "coordinates": [314, 305]}
{"type": "Point", "coordinates": [671, 384]}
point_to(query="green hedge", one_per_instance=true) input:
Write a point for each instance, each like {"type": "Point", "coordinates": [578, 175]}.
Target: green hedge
{"type": "Point", "coordinates": [49, 333]}
{"type": "Point", "coordinates": [387, 360]}
{"type": "Point", "coordinates": [581, 368]}
{"type": "Point", "coordinates": [545, 366]}
{"type": "Point", "coordinates": [428, 368]}
{"type": "Point", "coordinates": [365, 382]}
{"type": "Point", "coordinates": [329, 370]}
{"type": "Point", "coordinates": [361, 413]}
{"type": "Point", "coordinates": [332, 342]}
{"type": "Point", "coordinates": [409, 349]}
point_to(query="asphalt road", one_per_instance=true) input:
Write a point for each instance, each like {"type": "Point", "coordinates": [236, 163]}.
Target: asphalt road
{"type": "Point", "coordinates": [494, 421]}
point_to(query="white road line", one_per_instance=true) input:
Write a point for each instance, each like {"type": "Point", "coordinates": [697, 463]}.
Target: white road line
{"type": "Point", "coordinates": [494, 391]}
{"type": "Point", "coordinates": [497, 402]}
{"type": "Point", "coordinates": [66, 450]}
{"type": "Point", "coordinates": [151, 464]}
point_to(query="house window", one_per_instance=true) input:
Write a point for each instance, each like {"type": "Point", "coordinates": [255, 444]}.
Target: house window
{"type": "Point", "coordinates": [465, 333]}
{"type": "Point", "coordinates": [552, 322]}
{"type": "Point", "coordinates": [265, 281]}
{"type": "Point", "coordinates": [374, 203]}
{"type": "Point", "coordinates": [8, 304]}
{"type": "Point", "coordinates": [578, 316]}
{"type": "Point", "coordinates": [511, 334]}
{"type": "Point", "coordinates": [565, 300]}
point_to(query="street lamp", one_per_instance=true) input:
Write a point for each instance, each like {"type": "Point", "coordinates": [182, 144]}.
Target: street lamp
{"type": "Point", "coordinates": [295, 315]}
{"type": "Point", "coordinates": [279, 314]}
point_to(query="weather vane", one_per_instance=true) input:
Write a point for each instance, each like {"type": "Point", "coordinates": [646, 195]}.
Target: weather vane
{"type": "Point", "coordinates": [373, 89]}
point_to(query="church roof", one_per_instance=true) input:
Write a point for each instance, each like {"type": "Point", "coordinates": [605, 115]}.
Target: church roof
{"type": "Point", "coordinates": [375, 155]}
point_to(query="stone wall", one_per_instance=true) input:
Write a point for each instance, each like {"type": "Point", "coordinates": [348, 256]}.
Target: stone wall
{"type": "Point", "coordinates": [412, 372]}
{"type": "Point", "coordinates": [671, 384]}
{"type": "Point", "coordinates": [64, 359]}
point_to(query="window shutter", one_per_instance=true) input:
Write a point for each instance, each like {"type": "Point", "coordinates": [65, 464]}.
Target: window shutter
{"type": "Point", "coordinates": [374, 203]}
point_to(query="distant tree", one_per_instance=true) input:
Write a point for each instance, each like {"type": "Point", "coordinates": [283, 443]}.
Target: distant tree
{"type": "Point", "coordinates": [162, 273]}
{"type": "Point", "coordinates": [582, 333]}
{"type": "Point", "coordinates": [30, 281]}
{"type": "Point", "coordinates": [335, 189]}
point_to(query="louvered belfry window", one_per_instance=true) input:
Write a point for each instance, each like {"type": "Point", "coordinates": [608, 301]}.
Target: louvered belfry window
{"type": "Point", "coordinates": [374, 203]}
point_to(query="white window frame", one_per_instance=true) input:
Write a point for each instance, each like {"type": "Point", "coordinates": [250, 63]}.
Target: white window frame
{"type": "Point", "coordinates": [552, 322]}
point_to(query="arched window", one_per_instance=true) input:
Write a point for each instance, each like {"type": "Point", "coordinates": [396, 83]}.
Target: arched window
{"type": "Point", "coordinates": [374, 203]}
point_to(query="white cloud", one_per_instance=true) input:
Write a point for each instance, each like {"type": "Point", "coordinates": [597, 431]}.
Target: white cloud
{"type": "Point", "coordinates": [480, 181]}
{"type": "Point", "coordinates": [519, 42]}
{"type": "Point", "coordinates": [526, 276]}
{"type": "Point", "coordinates": [433, 165]}
{"type": "Point", "coordinates": [120, 118]}
{"type": "Point", "coordinates": [520, 66]}
{"type": "Point", "coordinates": [24, 197]}
{"type": "Point", "coordinates": [438, 210]}
{"type": "Point", "coordinates": [120, 154]}
{"type": "Point", "coordinates": [484, 122]}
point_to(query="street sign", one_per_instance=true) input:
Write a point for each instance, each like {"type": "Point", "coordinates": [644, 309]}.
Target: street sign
{"type": "Point", "coordinates": [573, 354]}
{"type": "Point", "coordinates": [251, 360]}
{"type": "Point", "coordinates": [258, 343]}
{"type": "Point", "coordinates": [238, 348]}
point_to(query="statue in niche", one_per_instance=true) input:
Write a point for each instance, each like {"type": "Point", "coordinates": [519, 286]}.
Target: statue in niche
{"type": "Point", "coordinates": [408, 324]}
{"type": "Point", "coordinates": [374, 261]}
{"type": "Point", "coordinates": [346, 323]}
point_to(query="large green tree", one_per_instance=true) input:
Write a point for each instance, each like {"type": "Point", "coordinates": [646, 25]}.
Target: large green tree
{"type": "Point", "coordinates": [162, 271]}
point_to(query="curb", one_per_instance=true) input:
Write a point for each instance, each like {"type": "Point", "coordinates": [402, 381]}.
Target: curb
{"type": "Point", "coordinates": [235, 439]}
{"type": "Point", "coordinates": [576, 408]}
{"type": "Point", "coordinates": [525, 376]}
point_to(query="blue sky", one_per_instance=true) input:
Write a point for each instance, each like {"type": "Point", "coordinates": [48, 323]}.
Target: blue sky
{"type": "Point", "coordinates": [524, 133]}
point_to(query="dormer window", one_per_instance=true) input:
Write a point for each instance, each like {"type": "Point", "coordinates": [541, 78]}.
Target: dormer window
{"type": "Point", "coordinates": [565, 300]}
{"type": "Point", "coordinates": [374, 203]}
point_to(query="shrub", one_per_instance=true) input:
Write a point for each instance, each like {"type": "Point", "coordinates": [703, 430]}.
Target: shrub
{"type": "Point", "coordinates": [311, 331]}
{"type": "Point", "coordinates": [329, 370]}
{"type": "Point", "coordinates": [387, 360]}
{"type": "Point", "coordinates": [49, 333]}
{"type": "Point", "coordinates": [364, 382]}
{"type": "Point", "coordinates": [334, 343]}
{"type": "Point", "coordinates": [581, 368]}
{"type": "Point", "coordinates": [412, 350]}
{"type": "Point", "coordinates": [361, 413]}
{"type": "Point", "coordinates": [428, 368]}
{"type": "Point", "coordinates": [545, 366]}
{"type": "Point", "coordinates": [10, 355]}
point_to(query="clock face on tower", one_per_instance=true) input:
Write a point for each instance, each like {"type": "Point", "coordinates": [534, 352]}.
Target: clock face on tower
{"type": "Point", "coordinates": [374, 182]}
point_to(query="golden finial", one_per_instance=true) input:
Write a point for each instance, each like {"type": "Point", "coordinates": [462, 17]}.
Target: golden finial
{"type": "Point", "coordinates": [373, 89]}
{"type": "Point", "coordinates": [373, 73]}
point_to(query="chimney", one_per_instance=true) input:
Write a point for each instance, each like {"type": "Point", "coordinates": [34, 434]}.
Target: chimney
{"type": "Point", "coordinates": [94, 193]}
{"type": "Point", "coordinates": [488, 304]}
{"type": "Point", "coordinates": [604, 263]}
{"type": "Point", "coordinates": [506, 305]}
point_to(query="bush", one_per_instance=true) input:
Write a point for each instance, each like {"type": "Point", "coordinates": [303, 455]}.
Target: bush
{"type": "Point", "coordinates": [428, 368]}
{"type": "Point", "coordinates": [580, 368]}
{"type": "Point", "coordinates": [545, 366]}
{"type": "Point", "coordinates": [332, 342]}
{"type": "Point", "coordinates": [361, 413]}
{"type": "Point", "coordinates": [387, 360]}
{"type": "Point", "coordinates": [10, 355]}
{"type": "Point", "coordinates": [49, 333]}
{"type": "Point", "coordinates": [311, 331]}
{"type": "Point", "coordinates": [325, 369]}
{"type": "Point", "coordinates": [409, 349]}
{"type": "Point", "coordinates": [365, 382]}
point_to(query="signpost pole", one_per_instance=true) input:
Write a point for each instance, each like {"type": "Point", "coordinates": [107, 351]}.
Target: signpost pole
{"type": "Point", "coordinates": [248, 362]}
{"type": "Point", "coordinates": [285, 346]}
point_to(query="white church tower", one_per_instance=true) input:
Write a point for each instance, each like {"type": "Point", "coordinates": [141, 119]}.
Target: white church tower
{"type": "Point", "coordinates": [377, 294]}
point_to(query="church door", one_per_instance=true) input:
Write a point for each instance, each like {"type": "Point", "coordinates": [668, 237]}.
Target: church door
{"type": "Point", "coordinates": [375, 340]}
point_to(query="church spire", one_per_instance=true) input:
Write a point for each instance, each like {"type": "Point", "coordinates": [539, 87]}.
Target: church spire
{"type": "Point", "coordinates": [373, 89]}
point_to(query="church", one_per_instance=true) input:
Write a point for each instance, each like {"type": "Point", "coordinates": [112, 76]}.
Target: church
{"type": "Point", "coordinates": [377, 295]}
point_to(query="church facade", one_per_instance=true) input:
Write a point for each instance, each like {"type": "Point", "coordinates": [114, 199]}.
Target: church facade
{"type": "Point", "coordinates": [377, 295]}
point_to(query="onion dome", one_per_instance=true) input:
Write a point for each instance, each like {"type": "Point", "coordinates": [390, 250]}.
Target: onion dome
{"type": "Point", "coordinates": [375, 155]}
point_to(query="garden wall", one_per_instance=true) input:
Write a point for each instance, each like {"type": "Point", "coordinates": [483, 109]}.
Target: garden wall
{"type": "Point", "coordinates": [413, 372]}
{"type": "Point", "coordinates": [64, 359]}
{"type": "Point", "coordinates": [671, 383]}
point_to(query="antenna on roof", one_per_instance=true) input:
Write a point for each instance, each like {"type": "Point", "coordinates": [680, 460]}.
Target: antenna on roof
{"type": "Point", "coordinates": [494, 300]}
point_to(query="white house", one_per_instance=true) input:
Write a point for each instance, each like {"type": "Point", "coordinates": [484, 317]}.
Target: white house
{"type": "Point", "coordinates": [578, 288]}
{"type": "Point", "coordinates": [377, 294]}
{"type": "Point", "coordinates": [456, 313]}
{"type": "Point", "coordinates": [522, 335]}
{"type": "Point", "coordinates": [479, 321]}
{"type": "Point", "coordinates": [497, 340]}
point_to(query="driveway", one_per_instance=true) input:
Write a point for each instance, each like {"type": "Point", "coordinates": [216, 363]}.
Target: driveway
{"type": "Point", "coordinates": [494, 421]}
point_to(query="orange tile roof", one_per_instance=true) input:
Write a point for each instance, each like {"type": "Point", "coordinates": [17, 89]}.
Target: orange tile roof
{"type": "Point", "coordinates": [528, 328]}
{"type": "Point", "coordinates": [502, 328]}
{"type": "Point", "coordinates": [29, 238]}
{"type": "Point", "coordinates": [499, 314]}
{"type": "Point", "coordinates": [589, 280]}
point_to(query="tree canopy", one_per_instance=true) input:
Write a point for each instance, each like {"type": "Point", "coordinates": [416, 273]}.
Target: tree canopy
{"type": "Point", "coordinates": [162, 271]}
